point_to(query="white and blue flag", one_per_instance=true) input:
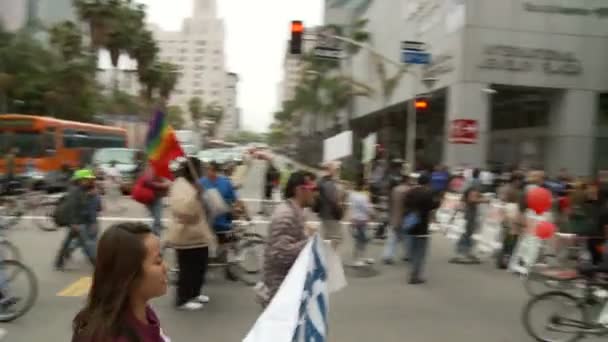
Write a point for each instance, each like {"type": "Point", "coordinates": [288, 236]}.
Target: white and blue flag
{"type": "Point", "coordinates": [299, 310]}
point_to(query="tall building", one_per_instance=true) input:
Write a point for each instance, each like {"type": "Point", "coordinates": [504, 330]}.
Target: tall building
{"type": "Point", "coordinates": [510, 82]}
{"type": "Point", "coordinates": [230, 121]}
{"type": "Point", "coordinates": [198, 50]}
{"type": "Point", "coordinates": [16, 14]}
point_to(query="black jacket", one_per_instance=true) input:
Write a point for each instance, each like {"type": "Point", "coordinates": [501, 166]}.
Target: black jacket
{"type": "Point", "coordinates": [421, 201]}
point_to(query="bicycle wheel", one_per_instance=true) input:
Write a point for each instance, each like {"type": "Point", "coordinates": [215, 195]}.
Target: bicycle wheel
{"type": "Point", "coordinates": [564, 321]}
{"type": "Point", "coordinates": [46, 222]}
{"type": "Point", "coordinates": [17, 295]}
{"type": "Point", "coordinates": [8, 250]}
{"type": "Point", "coordinates": [536, 284]}
{"type": "Point", "coordinates": [249, 261]}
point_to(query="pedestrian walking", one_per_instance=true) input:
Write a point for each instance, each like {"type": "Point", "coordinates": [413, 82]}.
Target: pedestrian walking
{"type": "Point", "coordinates": [287, 236]}
{"type": "Point", "coordinates": [160, 186]}
{"type": "Point", "coordinates": [361, 210]}
{"type": "Point", "coordinates": [471, 198]}
{"type": "Point", "coordinates": [79, 210]}
{"type": "Point", "coordinates": [397, 214]}
{"type": "Point", "coordinates": [419, 204]}
{"type": "Point", "coordinates": [331, 206]}
{"type": "Point", "coordinates": [129, 273]}
{"type": "Point", "coordinates": [271, 182]}
{"type": "Point", "coordinates": [189, 234]}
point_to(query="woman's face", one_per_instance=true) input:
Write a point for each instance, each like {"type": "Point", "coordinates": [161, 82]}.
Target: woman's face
{"type": "Point", "coordinates": [153, 281]}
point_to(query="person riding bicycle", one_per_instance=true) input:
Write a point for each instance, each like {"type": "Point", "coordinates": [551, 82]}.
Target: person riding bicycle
{"type": "Point", "coordinates": [221, 223]}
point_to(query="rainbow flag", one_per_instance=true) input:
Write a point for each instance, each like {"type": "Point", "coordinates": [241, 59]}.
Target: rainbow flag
{"type": "Point", "coordinates": [161, 145]}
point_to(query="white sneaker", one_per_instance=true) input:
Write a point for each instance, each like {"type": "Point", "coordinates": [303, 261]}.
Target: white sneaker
{"type": "Point", "coordinates": [2, 333]}
{"type": "Point", "coordinates": [359, 263]}
{"type": "Point", "coordinates": [192, 306]}
{"type": "Point", "coordinates": [203, 299]}
{"type": "Point", "coordinates": [369, 261]}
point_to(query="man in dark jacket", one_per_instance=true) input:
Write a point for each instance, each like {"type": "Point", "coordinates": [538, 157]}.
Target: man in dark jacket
{"type": "Point", "coordinates": [419, 201]}
{"type": "Point", "coordinates": [331, 208]}
{"type": "Point", "coordinates": [81, 208]}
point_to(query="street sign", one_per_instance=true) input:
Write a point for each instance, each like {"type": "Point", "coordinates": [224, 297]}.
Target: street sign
{"type": "Point", "coordinates": [413, 52]}
{"type": "Point", "coordinates": [327, 46]}
{"type": "Point", "coordinates": [413, 45]}
{"type": "Point", "coordinates": [415, 57]}
{"type": "Point", "coordinates": [464, 131]}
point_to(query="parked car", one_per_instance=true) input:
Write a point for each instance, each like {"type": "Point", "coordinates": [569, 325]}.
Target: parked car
{"type": "Point", "coordinates": [128, 161]}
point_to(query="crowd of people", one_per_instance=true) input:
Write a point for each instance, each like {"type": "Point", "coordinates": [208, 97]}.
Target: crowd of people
{"type": "Point", "coordinates": [203, 202]}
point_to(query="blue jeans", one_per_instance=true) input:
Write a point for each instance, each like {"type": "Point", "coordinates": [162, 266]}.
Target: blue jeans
{"type": "Point", "coordinates": [390, 246]}
{"type": "Point", "coordinates": [156, 210]}
{"type": "Point", "coordinates": [82, 237]}
{"type": "Point", "coordinates": [418, 248]}
{"type": "Point", "coordinates": [359, 231]}
{"type": "Point", "coordinates": [465, 243]}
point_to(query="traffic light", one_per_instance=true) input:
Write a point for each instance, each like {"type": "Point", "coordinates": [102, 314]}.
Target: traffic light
{"type": "Point", "coordinates": [421, 104]}
{"type": "Point", "coordinates": [297, 29]}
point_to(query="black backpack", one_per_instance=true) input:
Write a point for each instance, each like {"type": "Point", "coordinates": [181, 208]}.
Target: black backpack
{"type": "Point", "coordinates": [61, 214]}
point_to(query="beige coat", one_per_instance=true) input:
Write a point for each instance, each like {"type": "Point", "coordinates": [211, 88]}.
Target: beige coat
{"type": "Point", "coordinates": [188, 226]}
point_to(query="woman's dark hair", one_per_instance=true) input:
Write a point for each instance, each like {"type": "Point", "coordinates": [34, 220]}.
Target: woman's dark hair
{"type": "Point", "coordinates": [120, 256]}
{"type": "Point", "coordinates": [191, 169]}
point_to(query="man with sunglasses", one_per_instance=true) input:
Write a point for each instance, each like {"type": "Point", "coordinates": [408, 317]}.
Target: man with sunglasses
{"type": "Point", "coordinates": [288, 234]}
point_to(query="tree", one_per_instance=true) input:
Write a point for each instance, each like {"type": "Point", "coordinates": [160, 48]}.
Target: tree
{"type": "Point", "coordinates": [175, 115]}
{"type": "Point", "coordinates": [66, 38]}
{"type": "Point", "coordinates": [195, 108]}
{"type": "Point", "coordinates": [98, 15]}
{"type": "Point", "coordinates": [245, 137]}
{"type": "Point", "coordinates": [168, 78]}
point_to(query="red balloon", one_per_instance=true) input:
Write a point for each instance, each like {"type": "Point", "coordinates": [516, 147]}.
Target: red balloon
{"type": "Point", "coordinates": [539, 200]}
{"type": "Point", "coordinates": [545, 230]}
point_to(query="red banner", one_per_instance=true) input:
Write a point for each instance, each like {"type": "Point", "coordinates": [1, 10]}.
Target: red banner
{"type": "Point", "coordinates": [464, 131]}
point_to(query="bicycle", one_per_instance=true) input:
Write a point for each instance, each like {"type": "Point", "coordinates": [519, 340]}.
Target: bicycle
{"type": "Point", "coordinates": [242, 257]}
{"type": "Point", "coordinates": [582, 316]}
{"type": "Point", "coordinates": [12, 303]}
{"type": "Point", "coordinates": [552, 271]}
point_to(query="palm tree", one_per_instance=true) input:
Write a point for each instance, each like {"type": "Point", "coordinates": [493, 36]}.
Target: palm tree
{"type": "Point", "coordinates": [126, 19]}
{"type": "Point", "coordinates": [195, 107]}
{"type": "Point", "coordinates": [66, 38]}
{"type": "Point", "coordinates": [169, 76]}
{"type": "Point", "coordinates": [214, 113]}
{"type": "Point", "coordinates": [97, 14]}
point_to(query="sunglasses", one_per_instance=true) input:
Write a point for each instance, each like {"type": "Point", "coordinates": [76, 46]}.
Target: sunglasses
{"type": "Point", "coordinates": [309, 186]}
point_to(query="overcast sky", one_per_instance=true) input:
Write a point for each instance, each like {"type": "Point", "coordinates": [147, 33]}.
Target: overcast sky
{"type": "Point", "coordinates": [256, 34]}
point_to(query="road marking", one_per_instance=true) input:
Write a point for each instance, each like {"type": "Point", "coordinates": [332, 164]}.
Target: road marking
{"type": "Point", "coordinates": [79, 288]}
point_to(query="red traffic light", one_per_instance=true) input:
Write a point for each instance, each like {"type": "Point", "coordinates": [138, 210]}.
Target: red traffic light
{"type": "Point", "coordinates": [421, 104]}
{"type": "Point", "coordinates": [297, 26]}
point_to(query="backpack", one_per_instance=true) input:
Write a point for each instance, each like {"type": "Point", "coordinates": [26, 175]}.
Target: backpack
{"type": "Point", "coordinates": [61, 214]}
{"type": "Point", "coordinates": [141, 193]}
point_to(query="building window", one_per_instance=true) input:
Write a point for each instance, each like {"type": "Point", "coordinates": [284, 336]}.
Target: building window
{"type": "Point", "coordinates": [182, 59]}
{"type": "Point", "coordinates": [217, 51]}
{"type": "Point", "coordinates": [215, 93]}
{"type": "Point", "coordinates": [183, 50]}
{"type": "Point", "coordinates": [198, 92]}
{"type": "Point", "coordinates": [200, 50]}
{"type": "Point", "coordinates": [199, 67]}
{"type": "Point", "coordinates": [196, 84]}
{"type": "Point", "coordinates": [216, 67]}
{"type": "Point", "coordinates": [198, 59]}
{"type": "Point", "coordinates": [201, 42]}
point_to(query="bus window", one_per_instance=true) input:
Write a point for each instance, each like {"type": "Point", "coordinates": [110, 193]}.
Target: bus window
{"type": "Point", "coordinates": [48, 142]}
{"type": "Point", "coordinates": [28, 144]}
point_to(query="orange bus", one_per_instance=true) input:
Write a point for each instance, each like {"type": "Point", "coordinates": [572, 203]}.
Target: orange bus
{"type": "Point", "coordinates": [47, 144]}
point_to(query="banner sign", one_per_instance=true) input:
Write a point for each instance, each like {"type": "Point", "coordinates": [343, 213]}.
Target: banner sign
{"type": "Point", "coordinates": [299, 310]}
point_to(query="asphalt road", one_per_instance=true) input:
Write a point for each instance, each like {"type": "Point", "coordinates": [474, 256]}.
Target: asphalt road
{"type": "Point", "coordinates": [459, 303]}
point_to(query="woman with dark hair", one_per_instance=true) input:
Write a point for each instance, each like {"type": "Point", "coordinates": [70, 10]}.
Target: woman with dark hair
{"type": "Point", "coordinates": [129, 272]}
{"type": "Point", "coordinates": [189, 234]}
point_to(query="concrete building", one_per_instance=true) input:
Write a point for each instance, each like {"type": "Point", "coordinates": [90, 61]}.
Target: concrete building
{"type": "Point", "coordinates": [514, 82]}
{"type": "Point", "coordinates": [198, 50]}
{"type": "Point", "coordinates": [16, 14]}
{"type": "Point", "coordinates": [230, 120]}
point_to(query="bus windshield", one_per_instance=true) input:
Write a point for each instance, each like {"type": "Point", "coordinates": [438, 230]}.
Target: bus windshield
{"type": "Point", "coordinates": [28, 144]}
